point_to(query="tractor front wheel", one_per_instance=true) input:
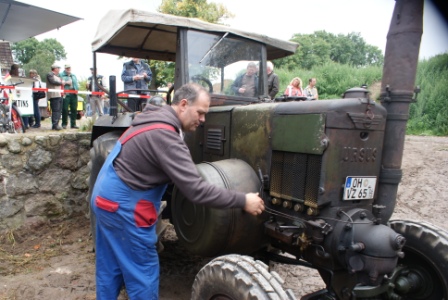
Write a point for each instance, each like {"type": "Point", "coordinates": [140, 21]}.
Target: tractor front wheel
{"type": "Point", "coordinates": [236, 277]}
{"type": "Point", "coordinates": [422, 274]}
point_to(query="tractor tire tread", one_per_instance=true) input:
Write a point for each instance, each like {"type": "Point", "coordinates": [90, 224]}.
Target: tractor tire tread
{"type": "Point", "coordinates": [240, 275]}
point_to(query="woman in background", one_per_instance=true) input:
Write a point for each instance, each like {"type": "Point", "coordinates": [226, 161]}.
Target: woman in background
{"type": "Point", "coordinates": [294, 88]}
{"type": "Point", "coordinates": [36, 84]}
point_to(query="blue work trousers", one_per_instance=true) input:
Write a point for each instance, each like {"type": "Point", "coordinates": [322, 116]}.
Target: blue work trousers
{"type": "Point", "coordinates": [125, 236]}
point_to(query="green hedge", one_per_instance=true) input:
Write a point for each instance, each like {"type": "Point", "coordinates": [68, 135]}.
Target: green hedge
{"type": "Point", "coordinates": [428, 116]}
{"type": "Point", "coordinates": [333, 79]}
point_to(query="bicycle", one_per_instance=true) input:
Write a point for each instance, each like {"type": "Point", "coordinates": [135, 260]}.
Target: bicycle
{"type": "Point", "coordinates": [10, 118]}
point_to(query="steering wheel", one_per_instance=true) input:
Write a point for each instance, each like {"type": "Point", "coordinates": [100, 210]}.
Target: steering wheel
{"type": "Point", "coordinates": [199, 78]}
{"type": "Point", "coordinates": [168, 95]}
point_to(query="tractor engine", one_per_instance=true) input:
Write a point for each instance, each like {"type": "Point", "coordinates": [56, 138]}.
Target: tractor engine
{"type": "Point", "coordinates": [316, 164]}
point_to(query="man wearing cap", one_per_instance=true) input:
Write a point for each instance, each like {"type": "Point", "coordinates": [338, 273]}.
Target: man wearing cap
{"type": "Point", "coordinates": [96, 104]}
{"type": "Point", "coordinates": [70, 99]}
{"type": "Point", "coordinates": [54, 82]}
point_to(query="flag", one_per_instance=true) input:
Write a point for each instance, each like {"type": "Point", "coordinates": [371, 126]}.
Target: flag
{"type": "Point", "coordinates": [7, 77]}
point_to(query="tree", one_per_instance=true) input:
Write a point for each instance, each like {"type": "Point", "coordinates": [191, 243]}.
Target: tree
{"type": "Point", "coordinates": [33, 54]}
{"type": "Point", "coordinates": [320, 47]}
{"type": "Point", "coordinates": [163, 72]}
{"type": "Point", "coordinates": [209, 12]}
{"type": "Point", "coordinates": [41, 62]}
{"type": "Point", "coordinates": [25, 50]}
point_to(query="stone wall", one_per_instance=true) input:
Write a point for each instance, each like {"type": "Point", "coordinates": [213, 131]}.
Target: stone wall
{"type": "Point", "coordinates": [42, 177]}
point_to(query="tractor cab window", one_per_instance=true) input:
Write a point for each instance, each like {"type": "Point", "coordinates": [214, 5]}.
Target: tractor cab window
{"type": "Point", "coordinates": [219, 61]}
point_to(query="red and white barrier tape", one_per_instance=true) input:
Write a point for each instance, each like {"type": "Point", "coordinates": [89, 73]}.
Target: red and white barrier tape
{"type": "Point", "coordinates": [121, 95]}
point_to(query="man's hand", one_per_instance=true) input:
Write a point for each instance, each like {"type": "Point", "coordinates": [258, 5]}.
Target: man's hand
{"type": "Point", "coordinates": [254, 204]}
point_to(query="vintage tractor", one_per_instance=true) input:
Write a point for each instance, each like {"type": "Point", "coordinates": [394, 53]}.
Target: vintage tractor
{"type": "Point", "coordinates": [328, 171]}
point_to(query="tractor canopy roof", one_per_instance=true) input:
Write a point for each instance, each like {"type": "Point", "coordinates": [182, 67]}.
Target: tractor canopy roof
{"type": "Point", "coordinates": [142, 34]}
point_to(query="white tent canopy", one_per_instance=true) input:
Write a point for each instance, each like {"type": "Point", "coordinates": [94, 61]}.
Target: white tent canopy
{"type": "Point", "coordinates": [19, 21]}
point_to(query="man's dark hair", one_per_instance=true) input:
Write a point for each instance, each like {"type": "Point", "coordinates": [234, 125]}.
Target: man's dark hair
{"type": "Point", "coordinates": [309, 80]}
{"type": "Point", "coordinates": [14, 71]}
{"type": "Point", "coordinates": [189, 91]}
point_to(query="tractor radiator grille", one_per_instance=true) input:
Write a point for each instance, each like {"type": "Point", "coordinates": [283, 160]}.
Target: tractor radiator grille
{"type": "Point", "coordinates": [295, 176]}
{"type": "Point", "coordinates": [214, 139]}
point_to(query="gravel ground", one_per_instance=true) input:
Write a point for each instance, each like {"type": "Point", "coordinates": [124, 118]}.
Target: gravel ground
{"type": "Point", "coordinates": [55, 261]}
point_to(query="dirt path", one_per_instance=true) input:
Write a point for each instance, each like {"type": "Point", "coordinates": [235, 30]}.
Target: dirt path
{"type": "Point", "coordinates": [55, 262]}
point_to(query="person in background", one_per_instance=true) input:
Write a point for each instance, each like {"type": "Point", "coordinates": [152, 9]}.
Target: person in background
{"type": "Point", "coordinates": [125, 222]}
{"type": "Point", "coordinates": [311, 90]}
{"type": "Point", "coordinates": [36, 84]}
{"type": "Point", "coordinates": [294, 88]}
{"type": "Point", "coordinates": [136, 75]}
{"type": "Point", "coordinates": [247, 84]}
{"type": "Point", "coordinates": [70, 100]}
{"type": "Point", "coordinates": [96, 103]}
{"type": "Point", "coordinates": [106, 104]}
{"type": "Point", "coordinates": [273, 81]}
{"type": "Point", "coordinates": [54, 82]}
{"type": "Point", "coordinates": [14, 71]}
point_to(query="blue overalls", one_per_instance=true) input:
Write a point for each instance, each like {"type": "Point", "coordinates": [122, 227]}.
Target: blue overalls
{"type": "Point", "coordinates": [125, 232]}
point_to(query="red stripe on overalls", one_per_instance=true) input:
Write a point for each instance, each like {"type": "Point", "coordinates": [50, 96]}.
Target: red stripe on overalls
{"type": "Point", "coordinates": [147, 128]}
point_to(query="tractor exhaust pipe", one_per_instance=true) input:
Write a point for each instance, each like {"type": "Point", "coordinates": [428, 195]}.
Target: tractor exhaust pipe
{"type": "Point", "coordinates": [397, 91]}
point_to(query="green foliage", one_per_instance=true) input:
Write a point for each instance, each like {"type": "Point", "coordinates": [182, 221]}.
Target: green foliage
{"type": "Point", "coordinates": [87, 125]}
{"type": "Point", "coordinates": [41, 62]}
{"type": "Point", "coordinates": [209, 12]}
{"type": "Point", "coordinates": [25, 50]}
{"type": "Point", "coordinates": [333, 79]}
{"type": "Point", "coordinates": [163, 72]}
{"type": "Point", "coordinates": [53, 46]}
{"type": "Point", "coordinates": [321, 47]}
{"type": "Point", "coordinates": [82, 87]}
{"type": "Point", "coordinates": [429, 115]}
{"type": "Point", "coordinates": [33, 54]}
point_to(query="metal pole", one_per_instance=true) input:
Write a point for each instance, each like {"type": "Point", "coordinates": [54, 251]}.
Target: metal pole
{"type": "Point", "coordinates": [397, 90]}
{"type": "Point", "coordinates": [113, 96]}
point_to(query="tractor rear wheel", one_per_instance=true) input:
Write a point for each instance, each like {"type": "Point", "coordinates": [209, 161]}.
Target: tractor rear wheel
{"type": "Point", "coordinates": [423, 271]}
{"type": "Point", "coordinates": [235, 277]}
{"type": "Point", "coordinates": [102, 146]}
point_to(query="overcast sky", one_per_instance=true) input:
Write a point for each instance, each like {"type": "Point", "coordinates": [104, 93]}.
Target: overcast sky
{"type": "Point", "coordinates": [281, 19]}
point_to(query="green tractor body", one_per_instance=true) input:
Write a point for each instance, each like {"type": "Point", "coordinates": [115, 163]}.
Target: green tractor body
{"type": "Point", "coordinates": [327, 170]}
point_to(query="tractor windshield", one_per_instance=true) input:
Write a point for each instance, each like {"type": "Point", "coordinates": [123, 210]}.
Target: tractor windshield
{"type": "Point", "coordinates": [216, 60]}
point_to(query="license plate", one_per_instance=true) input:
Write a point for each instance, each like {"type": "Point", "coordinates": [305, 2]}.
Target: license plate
{"type": "Point", "coordinates": [359, 188]}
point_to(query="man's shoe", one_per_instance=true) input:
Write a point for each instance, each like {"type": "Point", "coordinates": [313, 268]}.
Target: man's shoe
{"type": "Point", "coordinates": [57, 128]}
{"type": "Point", "coordinates": [64, 126]}
{"type": "Point", "coordinates": [36, 126]}
{"type": "Point", "coordinates": [75, 127]}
